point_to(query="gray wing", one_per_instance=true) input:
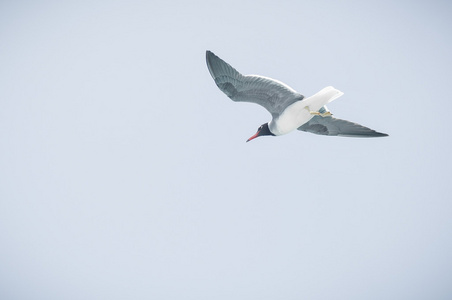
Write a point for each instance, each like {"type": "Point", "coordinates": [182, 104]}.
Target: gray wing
{"type": "Point", "coordinates": [274, 95]}
{"type": "Point", "coordinates": [337, 127]}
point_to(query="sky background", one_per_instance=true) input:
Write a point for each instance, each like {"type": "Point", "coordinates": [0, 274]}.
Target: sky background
{"type": "Point", "coordinates": [124, 172]}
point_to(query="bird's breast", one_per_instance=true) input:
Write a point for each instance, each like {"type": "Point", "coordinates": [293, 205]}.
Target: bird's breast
{"type": "Point", "coordinates": [291, 118]}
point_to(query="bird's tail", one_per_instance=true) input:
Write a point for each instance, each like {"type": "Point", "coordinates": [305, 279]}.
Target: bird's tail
{"type": "Point", "coordinates": [323, 97]}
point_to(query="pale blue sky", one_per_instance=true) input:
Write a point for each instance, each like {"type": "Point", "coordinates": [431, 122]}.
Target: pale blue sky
{"type": "Point", "coordinates": [124, 172]}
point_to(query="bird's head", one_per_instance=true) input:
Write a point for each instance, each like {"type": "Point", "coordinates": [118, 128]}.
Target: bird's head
{"type": "Point", "coordinates": [262, 130]}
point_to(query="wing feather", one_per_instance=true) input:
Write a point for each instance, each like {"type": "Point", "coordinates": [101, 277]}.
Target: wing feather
{"type": "Point", "coordinates": [272, 94]}
{"type": "Point", "coordinates": [337, 127]}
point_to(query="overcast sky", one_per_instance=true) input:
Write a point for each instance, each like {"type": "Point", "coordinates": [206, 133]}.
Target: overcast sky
{"type": "Point", "coordinates": [124, 172]}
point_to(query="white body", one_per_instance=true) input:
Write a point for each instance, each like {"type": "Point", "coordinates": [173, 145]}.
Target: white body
{"type": "Point", "coordinates": [298, 113]}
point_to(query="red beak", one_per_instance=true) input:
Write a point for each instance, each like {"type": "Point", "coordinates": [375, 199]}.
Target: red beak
{"type": "Point", "coordinates": [254, 136]}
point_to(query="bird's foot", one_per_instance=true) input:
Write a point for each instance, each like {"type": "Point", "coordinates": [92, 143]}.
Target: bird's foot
{"type": "Point", "coordinates": [312, 112]}
{"type": "Point", "coordinates": [325, 114]}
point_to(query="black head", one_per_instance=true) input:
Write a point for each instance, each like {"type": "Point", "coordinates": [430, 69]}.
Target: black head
{"type": "Point", "coordinates": [262, 130]}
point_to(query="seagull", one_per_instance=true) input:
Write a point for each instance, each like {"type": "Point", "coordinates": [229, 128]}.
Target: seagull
{"type": "Point", "coordinates": [290, 110]}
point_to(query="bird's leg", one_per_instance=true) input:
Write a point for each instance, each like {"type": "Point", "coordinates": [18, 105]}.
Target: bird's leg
{"type": "Point", "coordinates": [325, 114]}
{"type": "Point", "coordinates": [312, 112]}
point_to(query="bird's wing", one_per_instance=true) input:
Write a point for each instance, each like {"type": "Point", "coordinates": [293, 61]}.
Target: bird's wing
{"type": "Point", "coordinates": [274, 95]}
{"type": "Point", "coordinates": [337, 127]}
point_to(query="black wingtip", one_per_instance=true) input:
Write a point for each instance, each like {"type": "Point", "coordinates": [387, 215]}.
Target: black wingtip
{"type": "Point", "coordinates": [375, 134]}
{"type": "Point", "coordinates": [209, 54]}
{"type": "Point", "coordinates": [209, 60]}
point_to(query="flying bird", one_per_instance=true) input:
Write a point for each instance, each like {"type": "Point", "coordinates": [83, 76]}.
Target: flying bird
{"type": "Point", "coordinates": [290, 110]}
